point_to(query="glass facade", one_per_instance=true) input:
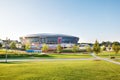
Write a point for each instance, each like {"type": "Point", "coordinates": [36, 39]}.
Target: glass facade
{"type": "Point", "coordinates": [53, 40]}
{"type": "Point", "coordinates": [37, 40]}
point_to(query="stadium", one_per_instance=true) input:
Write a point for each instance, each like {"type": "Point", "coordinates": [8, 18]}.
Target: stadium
{"type": "Point", "coordinates": [37, 40]}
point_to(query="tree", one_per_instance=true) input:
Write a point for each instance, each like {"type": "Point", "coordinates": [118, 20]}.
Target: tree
{"type": "Point", "coordinates": [106, 43]}
{"type": "Point", "coordinates": [0, 45]}
{"type": "Point", "coordinates": [59, 48]}
{"type": "Point", "coordinates": [13, 45]}
{"type": "Point", "coordinates": [88, 49]}
{"type": "Point", "coordinates": [116, 47]}
{"type": "Point", "coordinates": [96, 47]}
{"type": "Point", "coordinates": [27, 46]}
{"type": "Point", "coordinates": [109, 47]}
{"type": "Point", "coordinates": [45, 48]}
{"type": "Point", "coordinates": [103, 48]}
{"type": "Point", "coordinates": [75, 48]}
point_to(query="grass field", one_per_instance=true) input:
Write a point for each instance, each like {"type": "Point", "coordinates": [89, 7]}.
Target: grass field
{"type": "Point", "coordinates": [108, 54]}
{"type": "Point", "coordinates": [60, 70]}
{"type": "Point", "coordinates": [118, 60]}
{"type": "Point", "coordinates": [70, 55]}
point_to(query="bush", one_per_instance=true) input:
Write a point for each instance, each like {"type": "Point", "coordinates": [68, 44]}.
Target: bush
{"type": "Point", "coordinates": [45, 48]}
{"type": "Point", "coordinates": [75, 48]}
{"type": "Point", "coordinates": [59, 48]}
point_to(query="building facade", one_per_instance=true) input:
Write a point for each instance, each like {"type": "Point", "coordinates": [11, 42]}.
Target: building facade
{"type": "Point", "coordinates": [37, 40]}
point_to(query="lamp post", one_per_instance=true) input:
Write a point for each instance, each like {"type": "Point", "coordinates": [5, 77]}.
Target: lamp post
{"type": "Point", "coordinates": [6, 45]}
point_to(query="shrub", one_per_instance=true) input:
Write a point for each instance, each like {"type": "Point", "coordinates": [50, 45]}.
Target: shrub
{"type": "Point", "coordinates": [45, 48]}
{"type": "Point", "coordinates": [89, 49]}
{"type": "Point", "coordinates": [75, 48]}
{"type": "Point", "coordinates": [59, 48]}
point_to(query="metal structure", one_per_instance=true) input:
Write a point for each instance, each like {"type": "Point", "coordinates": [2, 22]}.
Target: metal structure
{"type": "Point", "coordinates": [37, 40]}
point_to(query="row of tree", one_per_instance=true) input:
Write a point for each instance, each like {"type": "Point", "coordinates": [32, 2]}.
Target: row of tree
{"type": "Point", "coordinates": [59, 48]}
{"type": "Point", "coordinates": [12, 45]}
{"type": "Point", "coordinates": [45, 48]}
{"type": "Point", "coordinates": [96, 47]}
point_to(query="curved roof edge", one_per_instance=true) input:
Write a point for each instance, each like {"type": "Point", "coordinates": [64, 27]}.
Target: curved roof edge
{"type": "Point", "coordinates": [48, 34]}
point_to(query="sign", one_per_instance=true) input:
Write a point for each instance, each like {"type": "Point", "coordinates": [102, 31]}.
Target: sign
{"type": "Point", "coordinates": [59, 40]}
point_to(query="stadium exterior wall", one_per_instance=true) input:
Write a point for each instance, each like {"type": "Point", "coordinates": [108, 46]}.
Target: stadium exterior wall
{"type": "Point", "coordinates": [37, 40]}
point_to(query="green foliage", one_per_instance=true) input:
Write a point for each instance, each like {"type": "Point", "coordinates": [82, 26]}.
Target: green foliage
{"type": "Point", "coordinates": [96, 47]}
{"type": "Point", "coordinates": [45, 48]}
{"type": "Point", "coordinates": [59, 70]}
{"type": "Point", "coordinates": [103, 48]}
{"type": "Point", "coordinates": [59, 48]}
{"type": "Point", "coordinates": [13, 45]}
{"type": "Point", "coordinates": [116, 47]}
{"type": "Point", "coordinates": [27, 46]}
{"type": "Point", "coordinates": [109, 47]}
{"type": "Point", "coordinates": [89, 49]}
{"type": "Point", "coordinates": [0, 45]}
{"type": "Point", "coordinates": [23, 47]}
{"type": "Point", "coordinates": [106, 43]}
{"type": "Point", "coordinates": [75, 48]}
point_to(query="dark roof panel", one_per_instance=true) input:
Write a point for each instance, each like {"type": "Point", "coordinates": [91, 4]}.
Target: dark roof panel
{"type": "Point", "coordinates": [48, 35]}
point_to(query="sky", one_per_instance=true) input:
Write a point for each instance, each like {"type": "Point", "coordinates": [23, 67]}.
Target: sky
{"type": "Point", "coordinates": [89, 20]}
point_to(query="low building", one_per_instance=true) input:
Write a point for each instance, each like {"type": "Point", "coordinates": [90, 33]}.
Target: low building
{"type": "Point", "coordinates": [84, 45]}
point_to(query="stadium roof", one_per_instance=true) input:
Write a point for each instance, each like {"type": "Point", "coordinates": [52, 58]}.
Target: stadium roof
{"type": "Point", "coordinates": [48, 34]}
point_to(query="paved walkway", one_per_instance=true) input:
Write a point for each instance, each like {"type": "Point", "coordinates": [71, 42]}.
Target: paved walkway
{"type": "Point", "coordinates": [61, 59]}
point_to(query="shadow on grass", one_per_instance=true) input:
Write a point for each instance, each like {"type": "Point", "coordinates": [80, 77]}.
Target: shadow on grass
{"type": "Point", "coordinates": [26, 56]}
{"type": "Point", "coordinates": [12, 62]}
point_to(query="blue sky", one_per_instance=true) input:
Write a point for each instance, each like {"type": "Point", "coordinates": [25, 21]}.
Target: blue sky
{"type": "Point", "coordinates": [87, 19]}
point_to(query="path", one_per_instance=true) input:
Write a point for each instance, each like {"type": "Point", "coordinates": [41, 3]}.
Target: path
{"type": "Point", "coordinates": [61, 59]}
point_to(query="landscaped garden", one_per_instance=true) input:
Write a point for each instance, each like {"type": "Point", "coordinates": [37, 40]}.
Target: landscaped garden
{"type": "Point", "coordinates": [13, 54]}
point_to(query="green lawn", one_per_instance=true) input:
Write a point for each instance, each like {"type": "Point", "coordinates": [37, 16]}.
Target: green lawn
{"type": "Point", "coordinates": [70, 55]}
{"type": "Point", "coordinates": [108, 54]}
{"type": "Point", "coordinates": [118, 60]}
{"type": "Point", "coordinates": [60, 70]}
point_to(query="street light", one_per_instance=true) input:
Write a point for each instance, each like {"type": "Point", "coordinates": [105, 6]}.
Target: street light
{"type": "Point", "coordinates": [6, 45]}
